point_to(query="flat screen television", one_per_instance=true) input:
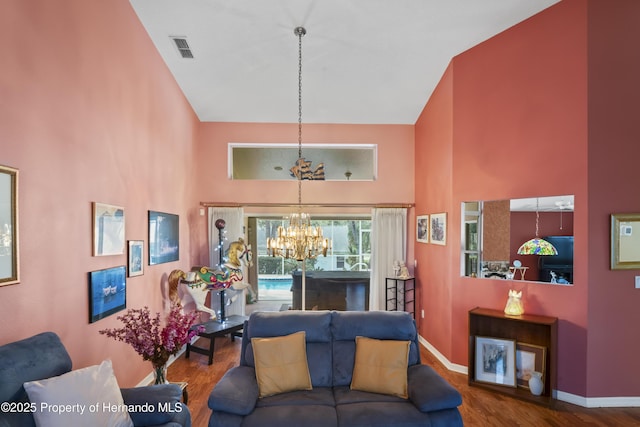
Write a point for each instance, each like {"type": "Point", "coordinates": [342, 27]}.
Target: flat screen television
{"type": "Point", "coordinates": [564, 245]}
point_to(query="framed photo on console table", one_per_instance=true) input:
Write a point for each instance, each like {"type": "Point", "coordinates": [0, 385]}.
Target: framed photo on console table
{"type": "Point", "coordinates": [529, 358]}
{"type": "Point", "coordinates": [107, 292]}
{"type": "Point", "coordinates": [495, 361]}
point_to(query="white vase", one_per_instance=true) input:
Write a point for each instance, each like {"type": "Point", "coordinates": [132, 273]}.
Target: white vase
{"type": "Point", "coordinates": [536, 386]}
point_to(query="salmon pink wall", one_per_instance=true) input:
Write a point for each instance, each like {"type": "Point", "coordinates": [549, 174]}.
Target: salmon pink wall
{"type": "Point", "coordinates": [433, 195]}
{"type": "Point", "coordinates": [518, 106]}
{"type": "Point", "coordinates": [614, 132]}
{"type": "Point", "coordinates": [89, 112]}
{"type": "Point", "coordinates": [395, 164]}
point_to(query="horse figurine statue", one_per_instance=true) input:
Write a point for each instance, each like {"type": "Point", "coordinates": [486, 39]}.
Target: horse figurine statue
{"type": "Point", "coordinates": [178, 276]}
{"type": "Point", "coordinates": [200, 280]}
{"type": "Point", "coordinates": [230, 272]}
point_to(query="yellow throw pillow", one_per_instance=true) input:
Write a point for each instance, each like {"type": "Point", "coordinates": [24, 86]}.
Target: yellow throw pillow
{"type": "Point", "coordinates": [281, 364]}
{"type": "Point", "coordinates": [381, 366]}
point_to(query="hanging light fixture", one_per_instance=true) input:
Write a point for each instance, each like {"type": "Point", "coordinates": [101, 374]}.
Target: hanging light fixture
{"type": "Point", "coordinates": [299, 240]}
{"type": "Point", "coordinates": [537, 246]}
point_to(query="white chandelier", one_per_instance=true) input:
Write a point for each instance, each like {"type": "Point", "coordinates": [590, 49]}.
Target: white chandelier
{"type": "Point", "coordinates": [299, 240]}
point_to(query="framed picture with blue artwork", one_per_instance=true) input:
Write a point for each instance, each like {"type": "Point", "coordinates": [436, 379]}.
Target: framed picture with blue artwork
{"type": "Point", "coordinates": [107, 292]}
{"type": "Point", "coordinates": [164, 237]}
{"type": "Point", "coordinates": [135, 256]}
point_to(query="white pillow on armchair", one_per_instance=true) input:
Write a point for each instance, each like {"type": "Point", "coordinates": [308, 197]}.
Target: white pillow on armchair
{"type": "Point", "coordinates": [83, 397]}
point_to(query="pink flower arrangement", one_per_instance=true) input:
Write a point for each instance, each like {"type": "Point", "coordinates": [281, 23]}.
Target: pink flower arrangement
{"type": "Point", "coordinates": [151, 342]}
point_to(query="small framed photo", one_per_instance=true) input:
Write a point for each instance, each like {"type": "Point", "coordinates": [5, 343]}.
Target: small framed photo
{"type": "Point", "coordinates": [422, 228]}
{"type": "Point", "coordinates": [108, 229]}
{"type": "Point", "coordinates": [107, 292]}
{"type": "Point", "coordinates": [438, 229]}
{"type": "Point", "coordinates": [495, 361]}
{"type": "Point", "coordinates": [135, 257]}
{"type": "Point", "coordinates": [529, 358]}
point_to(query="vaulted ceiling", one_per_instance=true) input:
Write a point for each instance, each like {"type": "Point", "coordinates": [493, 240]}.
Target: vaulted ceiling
{"type": "Point", "coordinates": [364, 61]}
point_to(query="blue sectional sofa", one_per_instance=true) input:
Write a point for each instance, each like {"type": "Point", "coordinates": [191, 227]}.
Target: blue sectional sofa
{"type": "Point", "coordinates": [43, 356]}
{"type": "Point", "coordinates": [330, 350]}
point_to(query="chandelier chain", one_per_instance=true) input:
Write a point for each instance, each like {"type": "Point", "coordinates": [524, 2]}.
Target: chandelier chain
{"type": "Point", "coordinates": [299, 240]}
{"type": "Point", "coordinates": [300, 33]}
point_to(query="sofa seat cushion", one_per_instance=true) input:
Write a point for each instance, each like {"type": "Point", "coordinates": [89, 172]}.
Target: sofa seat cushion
{"type": "Point", "coordinates": [344, 395]}
{"type": "Point", "coordinates": [292, 415]}
{"type": "Point", "coordinates": [388, 414]}
{"type": "Point", "coordinates": [317, 396]}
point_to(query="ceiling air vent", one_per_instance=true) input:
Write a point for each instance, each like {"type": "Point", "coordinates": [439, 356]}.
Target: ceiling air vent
{"type": "Point", "coordinates": [183, 47]}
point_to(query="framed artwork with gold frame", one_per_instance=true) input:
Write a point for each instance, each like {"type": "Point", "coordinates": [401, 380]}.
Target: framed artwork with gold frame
{"type": "Point", "coordinates": [9, 265]}
{"type": "Point", "coordinates": [625, 241]}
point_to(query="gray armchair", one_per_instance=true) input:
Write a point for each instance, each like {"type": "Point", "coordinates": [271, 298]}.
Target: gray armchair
{"type": "Point", "coordinates": [44, 356]}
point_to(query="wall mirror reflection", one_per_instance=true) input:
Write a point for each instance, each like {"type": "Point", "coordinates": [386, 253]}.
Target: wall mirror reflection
{"type": "Point", "coordinates": [339, 162]}
{"type": "Point", "coordinates": [519, 239]}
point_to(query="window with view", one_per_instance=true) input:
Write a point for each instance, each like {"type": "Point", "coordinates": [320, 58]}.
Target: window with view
{"type": "Point", "coordinates": [351, 250]}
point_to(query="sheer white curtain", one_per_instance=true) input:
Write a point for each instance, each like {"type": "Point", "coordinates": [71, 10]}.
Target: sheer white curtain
{"type": "Point", "coordinates": [389, 243]}
{"type": "Point", "coordinates": [234, 226]}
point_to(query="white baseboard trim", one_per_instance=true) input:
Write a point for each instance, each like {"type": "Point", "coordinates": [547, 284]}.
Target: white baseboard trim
{"type": "Point", "coordinates": [599, 402]}
{"type": "Point", "coordinates": [461, 369]}
{"type": "Point", "coordinates": [587, 402]}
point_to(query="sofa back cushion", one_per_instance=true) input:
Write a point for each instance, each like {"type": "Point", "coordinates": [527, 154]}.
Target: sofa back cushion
{"type": "Point", "coordinates": [381, 325]}
{"type": "Point", "coordinates": [317, 328]}
{"type": "Point", "coordinates": [35, 358]}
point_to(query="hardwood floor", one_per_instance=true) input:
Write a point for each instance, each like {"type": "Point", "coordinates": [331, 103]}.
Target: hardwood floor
{"type": "Point", "coordinates": [479, 407]}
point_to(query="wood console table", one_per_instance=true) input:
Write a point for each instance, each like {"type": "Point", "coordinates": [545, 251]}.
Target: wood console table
{"type": "Point", "coordinates": [213, 329]}
{"type": "Point", "coordinates": [531, 329]}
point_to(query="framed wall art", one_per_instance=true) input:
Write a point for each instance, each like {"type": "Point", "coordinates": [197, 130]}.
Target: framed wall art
{"type": "Point", "coordinates": [164, 237]}
{"type": "Point", "coordinates": [529, 358]}
{"type": "Point", "coordinates": [135, 266]}
{"type": "Point", "coordinates": [107, 292]}
{"type": "Point", "coordinates": [625, 241]}
{"type": "Point", "coordinates": [438, 229]}
{"type": "Point", "coordinates": [495, 361]}
{"type": "Point", "coordinates": [9, 265]}
{"type": "Point", "coordinates": [422, 228]}
{"type": "Point", "coordinates": [108, 229]}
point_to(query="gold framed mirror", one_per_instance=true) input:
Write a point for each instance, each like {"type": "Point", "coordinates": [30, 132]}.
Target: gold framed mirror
{"type": "Point", "coordinates": [625, 241]}
{"type": "Point", "coordinates": [9, 272]}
